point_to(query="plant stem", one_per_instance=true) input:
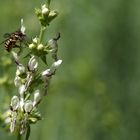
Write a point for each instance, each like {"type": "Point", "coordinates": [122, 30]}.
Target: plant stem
{"type": "Point", "coordinates": [19, 136]}
{"type": "Point", "coordinates": [48, 1]}
{"type": "Point", "coordinates": [42, 31]}
{"type": "Point", "coordinates": [28, 133]}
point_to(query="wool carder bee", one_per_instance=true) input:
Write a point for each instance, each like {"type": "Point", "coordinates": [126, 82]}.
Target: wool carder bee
{"type": "Point", "coordinates": [13, 40]}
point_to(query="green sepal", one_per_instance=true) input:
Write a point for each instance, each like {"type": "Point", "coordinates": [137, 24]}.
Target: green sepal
{"type": "Point", "coordinates": [23, 75]}
{"type": "Point", "coordinates": [36, 116]}
{"type": "Point", "coordinates": [33, 120]}
{"type": "Point", "coordinates": [52, 15]}
{"type": "Point", "coordinates": [38, 12]}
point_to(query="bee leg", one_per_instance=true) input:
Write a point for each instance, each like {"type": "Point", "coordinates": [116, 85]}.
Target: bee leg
{"type": "Point", "coordinates": [20, 49]}
{"type": "Point", "coordinates": [16, 46]}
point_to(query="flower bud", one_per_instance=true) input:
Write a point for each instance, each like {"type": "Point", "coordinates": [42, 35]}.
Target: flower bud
{"type": "Point", "coordinates": [20, 70]}
{"type": "Point", "coordinates": [32, 46]}
{"type": "Point", "coordinates": [22, 90]}
{"type": "Point", "coordinates": [28, 106]}
{"type": "Point", "coordinates": [52, 15]}
{"type": "Point", "coordinates": [32, 64]}
{"type": "Point", "coordinates": [45, 10]}
{"type": "Point", "coordinates": [46, 72]}
{"type": "Point", "coordinates": [15, 102]}
{"type": "Point", "coordinates": [40, 47]}
{"type": "Point", "coordinates": [35, 40]}
{"type": "Point", "coordinates": [37, 97]}
{"type": "Point", "coordinates": [55, 65]}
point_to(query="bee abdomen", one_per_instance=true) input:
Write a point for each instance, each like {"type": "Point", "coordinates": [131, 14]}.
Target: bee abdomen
{"type": "Point", "coordinates": [14, 37]}
{"type": "Point", "coordinates": [9, 44]}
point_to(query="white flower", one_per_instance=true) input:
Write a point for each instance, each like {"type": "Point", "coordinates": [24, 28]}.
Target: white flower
{"type": "Point", "coordinates": [20, 69]}
{"type": "Point", "coordinates": [32, 64]}
{"type": "Point", "coordinates": [49, 72]}
{"type": "Point", "coordinates": [53, 45]}
{"type": "Point", "coordinates": [37, 97]}
{"type": "Point", "coordinates": [46, 72]}
{"type": "Point", "coordinates": [45, 10]}
{"type": "Point", "coordinates": [40, 47]}
{"type": "Point", "coordinates": [22, 29]}
{"type": "Point", "coordinates": [55, 65]}
{"type": "Point", "coordinates": [17, 81]}
{"type": "Point", "coordinates": [28, 106]}
{"type": "Point", "coordinates": [15, 102]}
{"type": "Point", "coordinates": [13, 121]}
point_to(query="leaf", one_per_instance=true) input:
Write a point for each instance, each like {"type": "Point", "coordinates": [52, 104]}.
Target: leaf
{"type": "Point", "coordinates": [43, 58]}
{"type": "Point", "coordinates": [27, 55]}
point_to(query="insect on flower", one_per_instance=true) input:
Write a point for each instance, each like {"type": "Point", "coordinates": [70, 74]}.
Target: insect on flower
{"type": "Point", "coordinates": [13, 39]}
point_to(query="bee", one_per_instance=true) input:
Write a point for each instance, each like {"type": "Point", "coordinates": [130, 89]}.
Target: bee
{"type": "Point", "coordinates": [12, 39]}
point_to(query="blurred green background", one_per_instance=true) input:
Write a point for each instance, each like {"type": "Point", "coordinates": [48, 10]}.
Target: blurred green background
{"type": "Point", "coordinates": [95, 94]}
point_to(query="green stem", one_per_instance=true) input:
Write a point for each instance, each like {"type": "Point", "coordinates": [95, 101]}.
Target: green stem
{"type": "Point", "coordinates": [28, 133]}
{"type": "Point", "coordinates": [19, 136]}
{"type": "Point", "coordinates": [42, 31]}
{"type": "Point", "coordinates": [48, 1]}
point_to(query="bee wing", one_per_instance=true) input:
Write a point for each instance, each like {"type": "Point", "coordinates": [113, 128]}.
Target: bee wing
{"type": "Point", "coordinates": [7, 35]}
{"type": "Point", "coordinates": [2, 42]}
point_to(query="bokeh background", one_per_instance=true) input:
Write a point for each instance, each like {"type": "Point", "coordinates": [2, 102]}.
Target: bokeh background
{"type": "Point", "coordinates": [95, 94]}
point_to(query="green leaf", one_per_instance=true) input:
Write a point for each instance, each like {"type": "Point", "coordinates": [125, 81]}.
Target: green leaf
{"type": "Point", "coordinates": [43, 58]}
